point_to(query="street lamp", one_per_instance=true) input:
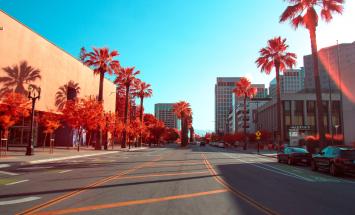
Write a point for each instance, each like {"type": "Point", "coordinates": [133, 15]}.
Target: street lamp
{"type": "Point", "coordinates": [34, 93]}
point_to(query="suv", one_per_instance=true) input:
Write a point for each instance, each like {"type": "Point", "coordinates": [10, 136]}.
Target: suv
{"type": "Point", "coordinates": [335, 159]}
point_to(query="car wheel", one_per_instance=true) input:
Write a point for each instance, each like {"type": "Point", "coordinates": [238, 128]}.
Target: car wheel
{"type": "Point", "coordinates": [334, 170]}
{"type": "Point", "coordinates": [314, 166]}
{"type": "Point", "coordinates": [290, 161]}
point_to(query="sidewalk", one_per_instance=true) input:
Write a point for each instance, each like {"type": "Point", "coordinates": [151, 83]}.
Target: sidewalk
{"type": "Point", "coordinates": [16, 156]}
{"type": "Point", "coordinates": [263, 152]}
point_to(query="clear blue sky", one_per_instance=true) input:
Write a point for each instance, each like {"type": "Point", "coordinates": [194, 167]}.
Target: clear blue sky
{"type": "Point", "coordinates": [180, 46]}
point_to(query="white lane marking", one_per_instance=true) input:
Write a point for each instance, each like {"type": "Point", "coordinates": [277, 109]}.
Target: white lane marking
{"type": "Point", "coordinates": [4, 165]}
{"type": "Point", "coordinates": [16, 201]}
{"type": "Point", "coordinates": [36, 167]}
{"type": "Point", "coordinates": [281, 172]}
{"type": "Point", "coordinates": [64, 171]}
{"type": "Point", "coordinates": [16, 182]}
{"type": "Point", "coordinates": [8, 173]}
{"type": "Point", "coordinates": [70, 157]}
{"type": "Point", "coordinates": [319, 178]}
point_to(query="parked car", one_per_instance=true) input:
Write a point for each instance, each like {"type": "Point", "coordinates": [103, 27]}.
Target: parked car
{"type": "Point", "coordinates": [335, 159]}
{"type": "Point", "coordinates": [202, 143]}
{"type": "Point", "coordinates": [220, 145]}
{"type": "Point", "coordinates": [294, 155]}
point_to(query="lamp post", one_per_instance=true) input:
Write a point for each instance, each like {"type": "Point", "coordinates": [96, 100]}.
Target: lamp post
{"type": "Point", "coordinates": [34, 93]}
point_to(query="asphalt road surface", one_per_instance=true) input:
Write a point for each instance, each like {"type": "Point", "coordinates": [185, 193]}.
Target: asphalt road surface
{"type": "Point", "coordinates": [171, 180]}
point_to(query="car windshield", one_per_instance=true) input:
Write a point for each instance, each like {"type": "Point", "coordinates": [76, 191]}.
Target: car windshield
{"type": "Point", "coordinates": [346, 153]}
{"type": "Point", "coordinates": [298, 150]}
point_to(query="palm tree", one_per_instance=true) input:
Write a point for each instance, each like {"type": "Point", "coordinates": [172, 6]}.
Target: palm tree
{"type": "Point", "coordinates": [61, 95]}
{"type": "Point", "coordinates": [126, 77]}
{"type": "Point", "coordinates": [17, 77]}
{"type": "Point", "coordinates": [182, 110]}
{"type": "Point", "coordinates": [302, 12]}
{"type": "Point", "coordinates": [101, 60]}
{"type": "Point", "coordinates": [143, 90]}
{"type": "Point", "coordinates": [245, 90]}
{"type": "Point", "coordinates": [275, 55]}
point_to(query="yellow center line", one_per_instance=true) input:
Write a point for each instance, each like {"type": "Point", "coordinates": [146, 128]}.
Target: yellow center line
{"type": "Point", "coordinates": [239, 194]}
{"type": "Point", "coordinates": [83, 189]}
{"type": "Point", "coordinates": [164, 174]}
{"type": "Point", "coordinates": [176, 164]}
{"type": "Point", "coordinates": [133, 202]}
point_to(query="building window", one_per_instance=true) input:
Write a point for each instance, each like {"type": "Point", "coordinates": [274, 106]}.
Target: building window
{"type": "Point", "coordinates": [287, 117]}
{"type": "Point", "coordinates": [311, 113]}
{"type": "Point", "coordinates": [298, 119]}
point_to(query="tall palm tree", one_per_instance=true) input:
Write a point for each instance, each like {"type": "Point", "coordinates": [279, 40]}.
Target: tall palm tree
{"type": "Point", "coordinates": [275, 55]}
{"type": "Point", "coordinates": [18, 77]}
{"type": "Point", "coordinates": [304, 12]}
{"type": "Point", "coordinates": [142, 90]}
{"type": "Point", "coordinates": [126, 77]}
{"type": "Point", "coordinates": [61, 96]}
{"type": "Point", "coordinates": [245, 90]}
{"type": "Point", "coordinates": [102, 61]}
{"type": "Point", "coordinates": [182, 110]}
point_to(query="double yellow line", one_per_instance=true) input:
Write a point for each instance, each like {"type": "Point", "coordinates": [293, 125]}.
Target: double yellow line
{"type": "Point", "coordinates": [237, 193]}
{"type": "Point", "coordinates": [36, 208]}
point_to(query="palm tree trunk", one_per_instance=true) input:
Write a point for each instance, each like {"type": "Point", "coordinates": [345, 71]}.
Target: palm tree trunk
{"type": "Point", "coordinates": [245, 122]}
{"type": "Point", "coordinates": [141, 119]}
{"type": "Point", "coordinates": [192, 134]}
{"type": "Point", "coordinates": [183, 140]}
{"type": "Point", "coordinates": [125, 118]}
{"type": "Point", "coordinates": [280, 129]}
{"type": "Point", "coordinates": [100, 99]}
{"type": "Point", "coordinates": [320, 114]}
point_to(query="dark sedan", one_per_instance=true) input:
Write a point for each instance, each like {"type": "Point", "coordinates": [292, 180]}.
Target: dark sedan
{"type": "Point", "coordinates": [335, 159]}
{"type": "Point", "coordinates": [294, 155]}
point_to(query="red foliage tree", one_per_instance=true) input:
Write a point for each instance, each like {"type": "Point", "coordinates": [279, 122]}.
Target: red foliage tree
{"type": "Point", "coordinates": [50, 122]}
{"type": "Point", "coordinates": [84, 114]}
{"type": "Point", "coordinates": [13, 106]}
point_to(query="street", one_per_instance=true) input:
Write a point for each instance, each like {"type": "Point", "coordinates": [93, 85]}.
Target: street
{"type": "Point", "coordinates": [172, 180]}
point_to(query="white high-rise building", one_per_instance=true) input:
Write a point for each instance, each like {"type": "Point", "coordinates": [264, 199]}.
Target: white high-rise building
{"type": "Point", "coordinates": [223, 102]}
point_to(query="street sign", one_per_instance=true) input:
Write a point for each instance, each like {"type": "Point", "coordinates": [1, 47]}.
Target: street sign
{"type": "Point", "coordinates": [258, 135]}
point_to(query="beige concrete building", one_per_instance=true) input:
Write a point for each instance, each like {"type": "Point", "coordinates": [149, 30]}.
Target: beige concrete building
{"type": "Point", "coordinates": [22, 49]}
